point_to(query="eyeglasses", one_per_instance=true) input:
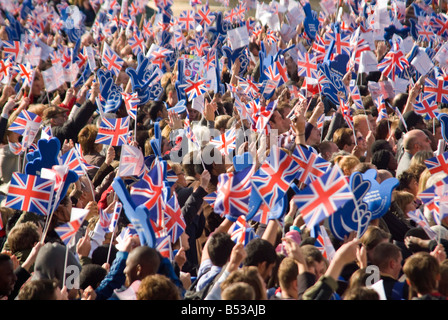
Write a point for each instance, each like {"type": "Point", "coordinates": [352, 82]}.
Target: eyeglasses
{"type": "Point", "coordinates": [360, 138]}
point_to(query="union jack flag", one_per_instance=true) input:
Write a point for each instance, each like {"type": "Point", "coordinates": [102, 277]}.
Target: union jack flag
{"type": "Point", "coordinates": [275, 175]}
{"type": "Point", "coordinates": [280, 69]}
{"type": "Point", "coordinates": [15, 147]}
{"type": "Point", "coordinates": [241, 232]}
{"type": "Point", "coordinates": [30, 193]}
{"type": "Point", "coordinates": [356, 96]}
{"type": "Point", "coordinates": [226, 142]}
{"type": "Point", "coordinates": [137, 43]}
{"type": "Point", "coordinates": [187, 20]}
{"type": "Point", "coordinates": [346, 113]}
{"type": "Point", "coordinates": [131, 161]}
{"type": "Point", "coordinates": [204, 17]}
{"type": "Point", "coordinates": [311, 165]}
{"type": "Point", "coordinates": [104, 219]}
{"type": "Point", "coordinates": [272, 74]}
{"type": "Point", "coordinates": [306, 65]}
{"type": "Point", "coordinates": [68, 230]}
{"type": "Point", "coordinates": [149, 192]}
{"type": "Point", "coordinates": [11, 49]}
{"type": "Point", "coordinates": [25, 119]}
{"type": "Point", "coordinates": [115, 216]}
{"type": "Point", "coordinates": [318, 48]}
{"type": "Point", "coordinates": [250, 87]}
{"type": "Point", "coordinates": [341, 42]}
{"type": "Point", "coordinates": [393, 61]}
{"type": "Point", "coordinates": [427, 107]}
{"type": "Point", "coordinates": [194, 88]}
{"type": "Point", "coordinates": [323, 243]}
{"type": "Point", "coordinates": [233, 193]}
{"type": "Point", "coordinates": [111, 60]}
{"type": "Point", "coordinates": [210, 199]}
{"type": "Point", "coordinates": [323, 197]}
{"type": "Point", "coordinates": [440, 24]}
{"type": "Point", "coordinates": [175, 224]}
{"type": "Point", "coordinates": [26, 73]}
{"type": "Point", "coordinates": [113, 131]}
{"type": "Point", "coordinates": [419, 218]}
{"type": "Point", "coordinates": [438, 163]}
{"type": "Point", "coordinates": [158, 54]}
{"type": "Point", "coordinates": [5, 66]}
{"type": "Point", "coordinates": [131, 102]}
{"type": "Point", "coordinates": [437, 88]}
{"type": "Point", "coordinates": [163, 245]}
{"type": "Point", "coordinates": [262, 214]}
{"type": "Point", "coordinates": [381, 106]}
{"type": "Point", "coordinates": [426, 32]}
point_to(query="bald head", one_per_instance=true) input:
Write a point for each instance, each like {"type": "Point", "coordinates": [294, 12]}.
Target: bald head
{"type": "Point", "coordinates": [141, 262]}
{"type": "Point", "coordinates": [416, 140]}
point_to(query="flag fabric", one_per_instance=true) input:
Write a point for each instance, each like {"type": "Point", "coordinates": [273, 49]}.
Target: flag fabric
{"type": "Point", "coordinates": [131, 102]}
{"type": "Point", "coordinates": [163, 245]}
{"type": "Point", "coordinates": [25, 119]}
{"type": "Point", "coordinates": [68, 230]}
{"type": "Point", "coordinates": [149, 192]}
{"type": "Point", "coordinates": [382, 110]}
{"type": "Point", "coordinates": [113, 131]}
{"type": "Point", "coordinates": [5, 66]}
{"type": "Point", "coordinates": [262, 215]}
{"type": "Point", "coordinates": [427, 107]}
{"type": "Point", "coordinates": [323, 197]}
{"type": "Point", "coordinates": [307, 65]}
{"type": "Point", "coordinates": [111, 60]}
{"type": "Point", "coordinates": [137, 43]}
{"type": "Point", "coordinates": [115, 216]}
{"type": "Point", "coordinates": [187, 20]}
{"type": "Point", "coordinates": [323, 243]}
{"type": "Point", "coordinates": [419, 218]}
{"type": "Point", "coordinates": [250, 87]}
{"type": "Point", "coordinates": [437, 88]}
{"type": "Point", "coordinates": [30, 193]}
{"type": "Point", "coordinates": [225, 142]}
{"type": "Point", "coordinates": [132, 162]}
{"type": "Point", "coordinates": [104, 219]}
{"type": "Point", "coordinates": [356, 96]}
{"type": "Point", "coordinates": [233, 193]}
{"type": "Point", "coordinates": [311, 165]}
{"type": "Point", "coordinates": [273, 178]}
{"type": "Point", "coordinates": [438, 163]}
{"type": "Point", "coordinates": [241, 232]}
{"type": "Point", "coordinates": [204, 17]}
{"type": "Point", "coordinates": [26, 73]}
{"type": "Point", "coordinates": [194, 88]}
{"type": "Point", "coordinates": [175, 224]}
{"type": "Point", "coordinates": [11, 49]}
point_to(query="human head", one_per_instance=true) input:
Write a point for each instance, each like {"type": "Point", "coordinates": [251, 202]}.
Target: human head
{"type": "Point", "coordinates": [327, 148]}
{"type": "Point", "coordinates": [344, 139]}
{"type": "Point", "coordinates": [408, 181]}
{"type": "Point", "coordinates": [314, 259]}
{"type": "Point", "coordinates": [91, 275]}
{"type": "Point", "coordinates": [422, 273]}
{"type": "Point", "coordinates": [347, 163]}
{"type": "Point", "coordinates": [157, 110]}
{"type": "Point", "coordinates": [7, 276]}
{"type": "Point", "coordinates": [384, 159]}
{"type": "Point", "coordinates": [23, 236]}
{"type": "Point", "coordinates": [404, 200]}
{"type": "Point", "coordinates": [261, 254]}
{"type": "Point", "coordinates": [361, 124]}
{"type": "Point", "coordinates": [221, 123]}
{"type": "Point", "coordinates": [238, 291]}
{"type": "Point", "coordinates": [443, 283]}
{"type": "Point", "coordinates": [55, 116]}
{"type": "Point", "coordinates": [312, 135]}
{"type": "Point", "coordinates": [362, 293]}
{"type": "Point", "coordinates": [387, 257]}
{"type": "Point", "coordinates": [141, 262]}
{"type": "Point", "coordinates": [416, 140]}
{"type": "Point", "coordinates": [249, 275]}
{"type": "Point", "coordinates": [413, 121]}
{"type": "Point", "coordinates": [43, 289]}
{"type": "Point", "coordinates": [288, 272]}
{"type": "Point", "coordinates": [87, 137]}
{"type": "Point", "coordinates": [219, 247]}
{"type": "Point", "coordinates": [157, 287]}
{"type": "Point", "coordinates": [373, 237]}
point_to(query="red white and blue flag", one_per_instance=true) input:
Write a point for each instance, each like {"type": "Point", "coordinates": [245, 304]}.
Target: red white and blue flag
{"type": "Point", "coordinates": [311, 165]}
{"type": "Point", "coordinates": [163, 245]}
{"type": "Point", "coordinates": [175, 223]}
{"type": "Point", "coordinates": [24, 120]}
{"type": "Point", "coordinates": [204, 17]}
{"type": "Point", "coordinates": [137, 43]}
{"type": "Point", "coordinates": [394, 61]}
{"type": "Point", "coordinates": [306, 65]}
{"type": "Point", "coordinates": [380, 104]}
{"type": "Point", "coordinates": [356, 96]}
{"type": "Point", "coordinates": [323, 243]}
{"type": "Point", "coordinates": [132, 162]}
{"type": "Point", "coordinates": [149, 192]}
{"type": "Point", "coordinates": [11, 49]}
{"type": "Point", "coordinates": [131, 102]}
{"type": "Point", "coordinates": [30, 193]}
{"type": "Point", "coordinates": [427, 107]}
{"type": "Point", "coordinates": [68, 230]}
{"type": "Point", "coordinates": [438, 164]}
{"type": "Point", "coordinates": [225, 142]}
{"type": "Point", "coordinates": [187, 20]}
{"type": "Point", "coordinates": [26, 73]}
{"type": "Point", "coordinates": [194, 88]}
{"type": "Point", "coordinates": [437, 88]}
{"type": "Point", "coordinates": [233, 193]}
{"type": "Point", "coordinates": [275, 175]}
{"type": "Point", "coordinates": [111, 60]}
{"type": "Point", "coordinates": [419, 218]}
{"type": "Point", "coordinates": [250, 87]}
{"type": "Point", "coordinates": [323, 197]}
{"type": "Point", "coordinates": [115, 216]}
{"type": "Point", "coordinates": [241, 232]}
{"type": "Point", "coordinates": [113, 131]}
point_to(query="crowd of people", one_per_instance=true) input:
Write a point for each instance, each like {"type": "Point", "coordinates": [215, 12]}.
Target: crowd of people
{"type": "Point", "coordinates": [283, 260]}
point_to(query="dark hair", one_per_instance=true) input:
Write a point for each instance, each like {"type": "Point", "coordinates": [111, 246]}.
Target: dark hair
{"type": "Point", "coordinates": [219, 247]}
{"type": "Point", "coordinates": [91, 275]}
{"type": "Point", "coordinates": [154, 108]}
{"type": "Point", "coordinates": [99, 255]}
{"type": "Point", "coordinates": [381, 158]}
{"type": "Point", "coordinates": [259, 250]}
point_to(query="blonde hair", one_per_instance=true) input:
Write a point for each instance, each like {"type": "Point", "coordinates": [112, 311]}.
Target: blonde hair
{"type": "Point", "coordinates": [347, 163]}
